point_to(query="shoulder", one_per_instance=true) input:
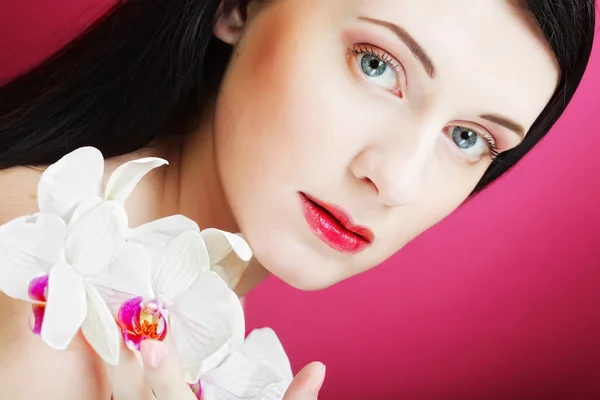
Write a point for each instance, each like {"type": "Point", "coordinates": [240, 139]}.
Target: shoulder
{"type": "Point", "coordinates": [18, 192]}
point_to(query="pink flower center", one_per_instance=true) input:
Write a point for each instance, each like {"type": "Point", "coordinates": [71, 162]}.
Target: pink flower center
{"type": "Point", "coordinates": [141, 320]}
{"type": "Point", "coordinates": [38, 291]}
{"type": "Point", "coordinates": [197, 389]}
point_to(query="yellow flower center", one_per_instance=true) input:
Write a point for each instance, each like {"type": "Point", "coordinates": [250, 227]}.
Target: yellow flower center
{"type": "Point", "coordinates": [151, 324]}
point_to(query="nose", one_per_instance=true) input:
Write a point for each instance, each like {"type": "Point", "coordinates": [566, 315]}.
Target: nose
{"type": "Point", "coordinates": [394, 172]}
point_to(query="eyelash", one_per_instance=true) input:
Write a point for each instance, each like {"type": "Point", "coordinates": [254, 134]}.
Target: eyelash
{"type": "Point", "coordinates": [369, 49]}
{"type": "Point", "coordinates": [391, 61]}
{"type": "Point", "coordinates": [494, 150]}
{"type": "Point", "coordinates": [396, 66]}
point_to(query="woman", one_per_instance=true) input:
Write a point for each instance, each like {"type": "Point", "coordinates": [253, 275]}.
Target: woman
{"type": "Point", "coordinates": [330, 133]}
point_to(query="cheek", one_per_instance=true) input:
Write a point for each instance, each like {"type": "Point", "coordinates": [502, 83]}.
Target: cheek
{"type": "Point", "coordinates": [276, 130]}
{"type": "Point", "coordinates": [276, 120]}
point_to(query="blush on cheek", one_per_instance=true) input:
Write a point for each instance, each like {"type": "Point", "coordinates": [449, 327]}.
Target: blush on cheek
{"type": "Point", "coordinates": [262, 54]}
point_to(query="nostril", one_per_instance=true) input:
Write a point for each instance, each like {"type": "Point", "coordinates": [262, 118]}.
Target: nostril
{"type": "Point", "coordinates": [369, 182]}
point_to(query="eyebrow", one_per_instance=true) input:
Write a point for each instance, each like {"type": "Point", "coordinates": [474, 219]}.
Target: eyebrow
{"type": "Point", "coordinates": [505, 122]}
{"type": "Point", "coordinates": [422, 56]}
{"type": "Point", "coordinates": [409, 41]}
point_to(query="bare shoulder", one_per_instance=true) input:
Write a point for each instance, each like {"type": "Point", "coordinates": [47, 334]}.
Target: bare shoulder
{"type": "Point", "coordinates": [28, 368]}
{"type": "Point", "coordinates": [31, 370]}
{"type": "Point", "coordinates": [18, 192]}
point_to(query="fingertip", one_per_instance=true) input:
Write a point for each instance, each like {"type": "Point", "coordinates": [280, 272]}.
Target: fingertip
{"type": "Point", "coordinates": [320, 370]}
{"type": "Point", "coordinates": [312, 377]}
{"type": "Point", "coordinates": [153, 353]}
{"type": "Point", "coordinates": [316, 368]}
{"type": "Point", "coordinates": [162, 372]}
{"type": "Point", "coordinates": [318, 365]}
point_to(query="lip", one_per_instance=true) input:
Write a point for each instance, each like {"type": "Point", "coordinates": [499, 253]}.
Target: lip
{"type": "Point", "coordinates": [334, 226]}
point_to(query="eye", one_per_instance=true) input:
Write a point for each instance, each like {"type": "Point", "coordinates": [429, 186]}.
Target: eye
{"type": "Point", "coordinates": [474, 145]}
{"type": "Point", "coordinates": [378, 70]}
{"type": "Point", "coordinates": [378, 67]}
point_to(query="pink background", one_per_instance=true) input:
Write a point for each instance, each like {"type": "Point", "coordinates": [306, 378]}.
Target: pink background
{"type": "Point", "coordinates": [501, 300]}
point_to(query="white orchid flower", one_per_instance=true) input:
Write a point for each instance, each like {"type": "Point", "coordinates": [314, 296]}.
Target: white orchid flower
{"type": "Point", "coordinates": [45, 261]}
{"type": "Point", "coordinates": [259, 370]}
{"type": "Point", "coordinates": [78, 177]}
{"type": "Point", "coordinates": [49, 257]}
{"type": "Point", "coordinates": [75, 181]}
{"type": "Point", "coordinates": [229, 253]}
{"type": "Point", "coordinates": [176, 297]}
{"type": "Point", "coordinates": [34, 248]}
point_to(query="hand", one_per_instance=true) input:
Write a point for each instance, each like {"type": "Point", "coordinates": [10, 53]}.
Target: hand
{"type": "Point", "coordinates": [161, 377]}
{"type": "Point", "coordinates": [307, 383]}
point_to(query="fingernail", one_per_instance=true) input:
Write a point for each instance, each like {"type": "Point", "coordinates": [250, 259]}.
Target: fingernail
{"type": "Point", "coordinates": [318, 382]}
{"type": "Point", "coordinates": [153, 353]}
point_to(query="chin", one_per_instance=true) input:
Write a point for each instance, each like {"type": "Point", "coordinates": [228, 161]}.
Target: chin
{"type": "Point", "coordinates": [295, 264]}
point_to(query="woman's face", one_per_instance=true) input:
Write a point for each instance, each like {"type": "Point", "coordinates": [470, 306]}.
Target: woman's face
{"type": "Point", "coordinates": [345, 128]}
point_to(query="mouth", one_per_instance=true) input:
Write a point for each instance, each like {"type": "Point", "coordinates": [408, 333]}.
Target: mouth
{"type": "Point", "coordinates": [334, 226]}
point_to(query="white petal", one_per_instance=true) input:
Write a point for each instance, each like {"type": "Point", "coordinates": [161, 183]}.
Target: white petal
{"type": "Point", "coordinates": [229, 254]}
{"type": "Point", "coordinates": [251, 375]}
{"type": "Point", "coordinates": [74, 178]}
{"type": "Point", "coordinates": [278, 391]}
{"type": "Point", "coordinates": [85, 206]}
{"type": "Point", "coordinates": [127, 277]}
{"type": "Point", "coordinates": [231, 270]}
{"type": "Point", "coordinates": [100, 328]}
{"type": "Point", "coordinates": [178, 264]}
{"type": "Point", "coordinates": [29, 246]}
{"type": "Point", "coordinates": [125, 178]}
{"type": "Point", "coordinates": [94, 239]}
{"type": "Point", "coordinates": [239, 378]}
{"type": "Point", "coordinates": [263, 346]}
{"type": "Point", "coordinates": [207, 323]}
{"type": "Point", "coordinates": [220, 244]}
{"type": "Point", "coordinates": [155, 235]}
{"type": "Point", "coordinates": [66, 306]}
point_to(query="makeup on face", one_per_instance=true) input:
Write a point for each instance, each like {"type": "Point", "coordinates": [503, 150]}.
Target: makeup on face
{"type": "Point", "coordinates": [334, 226]}
{"type": "Point", "coordinates": [376, 100]}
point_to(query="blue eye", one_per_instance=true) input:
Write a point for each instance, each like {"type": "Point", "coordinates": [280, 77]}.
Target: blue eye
{"type": "Point", "coordinates": [378, 67]}
{"type": "Point", "coordinates": [464, 138]}
{"type": "Point", "coordinates": [373, 66]}
{"type": "Point", "coordinates": [474, 144]}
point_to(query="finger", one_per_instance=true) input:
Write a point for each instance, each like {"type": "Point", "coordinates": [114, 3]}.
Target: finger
{"type": "Point", "coordinates": [307, 383]}
{"type": "Point", "coordinates": [163, 373]}
{"type": "Point", "coordinates": [127, 378]}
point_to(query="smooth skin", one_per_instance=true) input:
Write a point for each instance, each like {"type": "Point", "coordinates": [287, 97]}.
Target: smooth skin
{"type": "Point", "coordinates": [398, 140]}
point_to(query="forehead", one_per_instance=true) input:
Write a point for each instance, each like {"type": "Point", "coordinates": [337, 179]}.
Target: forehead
{"type": "Point", "coordinates": [485, 52]}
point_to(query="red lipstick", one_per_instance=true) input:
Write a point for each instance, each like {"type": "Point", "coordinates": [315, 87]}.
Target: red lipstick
{"type": "Point", "coordinates": [334, 226]}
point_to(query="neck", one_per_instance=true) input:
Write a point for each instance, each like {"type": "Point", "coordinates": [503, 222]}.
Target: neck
{"type": "Point", "coordinates": [191, 185]}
